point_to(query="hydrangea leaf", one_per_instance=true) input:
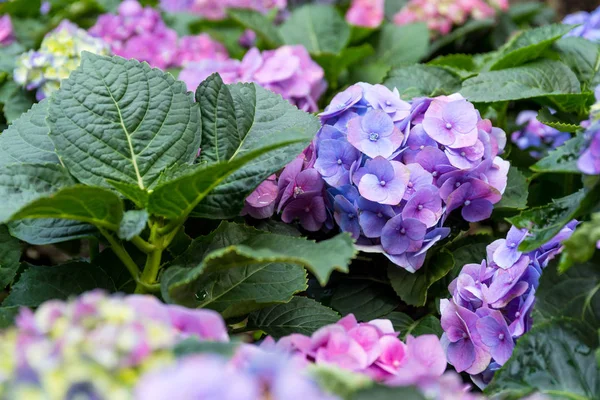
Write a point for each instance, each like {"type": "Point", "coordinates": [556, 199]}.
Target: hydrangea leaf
{"type": "Point", "coordinates": [131, 192]}
{"type": "Point", "coordinates": [406, 44]}
{"type": "Point", "coordinates": [516, 193]}
{"type": "Point", "coordinates": [421, 81]}
{"type": "Point", "coordinates": [461, 65]}
{"type": "Point", "coordinates": [469, 27]}
{"type": "Point", "coordinates": [301, 315]}
{"type": "Point", "coordinates": [16, 100]}
{"type": "Point", "coordinates": [266, 123]}
{"type": "Point", "coordinates": [574, 294]}
{"type": "Point", "coordinates": [233, 246]}
{"type": "Point", "coordinates": [555, 359]}
{"type": "Point", "coordinates": [562, 159]}
{"type": "Point", "coordinates": [405, 325]}
{"type": "Point", "coordinates": [528, 45]}
{"type": "Point", "coordinates": [338, 381]}
{"type": "Point", "coordinates": [581, 246]}
{"type": "Point", "coordinates": [367, 300]}
{"type": "Point", "coordinates": [21, 184]}
{"type": "Point", "coordinates": [560, 121]}
{"type": "Point", "coordinates": [539, 79]}
{"type": "Point", "coordinates": [38, 284]}
{"type": "Point", "coordinates": [122, 120]}
{"type": "Point", "coordinates": [258, 23]}
{"type": "Point", "coordinates": [319, 28]}
{"type": "Point", "coordinates": [335, 64]}
{"type": "Point", "coordinates": [382, 392]}
{"type": "Point", "coordinates": [8, 55]}
{"type": "Point", "coordinates": [10, 254]}
{"type": "Point", "coordinates": [26, 140]}
{"type": "Point", "coordinates": [132, 224]}
{"type": "Point", "coordinates": [545, 222]}
{"type": "Point", "coordinates": [50, 230]}
{"type": "Point", "coordinates": [192, 345]}
{"type": "Point", "coordinates": [176, 198]}
{"type": "Point", "coordinates": [8, 315]}
{"type": "Point", "coordinates": [582, 56]}
{"type": "Point", "coordinates": [412, 287]}
{"type": "Point", "coordinates": [92, 205]}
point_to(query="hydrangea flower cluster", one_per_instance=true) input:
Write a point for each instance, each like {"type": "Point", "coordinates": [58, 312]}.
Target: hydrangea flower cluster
{"type": "Point", "coordinates": [288, 71]}
{"type": "Point", "coordinates": [139, 32]}
{"type": "Point", "coordinates": [442, 15]}
{"type": "Point", "coordinates": [589, 24]}
{"type": "Point", "coordinates": [253, 373]}
{"type": "Point", "coordinates": [491, 303]}
{"type": "Point", "coordinates": [217, 9]}
{"type": "Point", "coordinates": [95, 344]}
{"type": "Point", "coordinates": [394, 170]}
{"type": "Point", "coordinates": [366, 13]}
{"type": "Point", "coordinates": [58, 56]}
{"type": "Point", "coordinates": [374, 349]}
{"type": "Point", "coordinates": [536, 137]}
{"type": "Point", "coordinates": [6, 31]}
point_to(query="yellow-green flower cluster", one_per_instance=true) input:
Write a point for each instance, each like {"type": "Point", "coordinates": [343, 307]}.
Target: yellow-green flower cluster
{"type": "Point", "coordinates": [58, 56]}
{"type": "Point", "coordinates": [96, 346]}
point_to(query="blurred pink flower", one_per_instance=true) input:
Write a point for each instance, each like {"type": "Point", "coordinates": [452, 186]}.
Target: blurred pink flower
{"type": "Point", "coordinates": [366, 13]}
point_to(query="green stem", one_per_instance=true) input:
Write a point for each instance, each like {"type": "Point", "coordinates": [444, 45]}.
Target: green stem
{"type": "Point", "coordinates": [143, 245]}
{"type": "Point", "coordinates": [93, 244]}
{"type": "Point", "coordinates": [150, 273]}
{"type": "Point", "coordinates": [123, 255]}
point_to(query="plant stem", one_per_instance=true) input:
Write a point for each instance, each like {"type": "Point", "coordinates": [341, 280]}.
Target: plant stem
{"type": "Point", "coordinates": [150, 273]}
{"type": "Point", "coordinates": [143, 245]}
{"type": "Point", "coordinates": [123, 255]}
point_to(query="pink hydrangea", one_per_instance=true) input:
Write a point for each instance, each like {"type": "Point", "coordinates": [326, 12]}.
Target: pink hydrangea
{"type": "Point", "coordinates": [442, 15]}
{"type": "Point", "coordinates": [139, 32]}
{"type": "Point", "coordinates": [288, 71]}
{"type": "Point", "coordinates": [366, 13]}
{"type": "Point", "coordinates": [6, 31]}
{"type": "Point", "coordinates": [217, 9]}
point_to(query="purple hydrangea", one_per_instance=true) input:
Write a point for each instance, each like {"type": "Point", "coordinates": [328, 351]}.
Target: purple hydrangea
{"type": "Point", "coordinates": [6, 31]}
{"type": "Point", "coordinates": [589, 161]}
{"type": "Point", "coordinates": [491, 304]}
{"type": "Point", "coordinates": [140, 32]}
{"type": "Point", "coordinates": [288, 71]}
{"type": "Point", "coordinates": [409, 164]}
{"type": "Point", "coordinates": [217, 9]}
{"type": "Point", "coordinates": [536, 137]}
{"type": "Point", "coordinates": [589, 24]}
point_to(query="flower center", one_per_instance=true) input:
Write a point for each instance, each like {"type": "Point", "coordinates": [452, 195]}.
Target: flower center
{"type": "Point", "coordinates": [457, 184]}
{"type": "Point", "coordinates": [350, 216]}
{"type": "Point", "coordinates": [421, 147]}
{"type": "Point", "coordinates": [298, 191]}
{"type": "Point", "coordinates": [464, 335]}
{"type": "Point", "coordinates": [403, 231]}
{"type": "Point", "coordinates": [518, 314]}
{"type": "Point", "coordinates": [501, 336]}
{"type": "Point", "coordinates": [307, 209]}
{"type": "Point", "coordinates": [382, 183]}
{"type": "Point", "coordinates": [409, 184]}
{"type": "Point", "coordinates": [467, 202]}
{"type": "Point", "coordinates": [512, 245]}
{"type": "Point", "coordinates": [373, 137]}
{"type": "Point", "coordinates": [420, 207]}
{"type": "Point", "coordinates": [462, 154]}
{"type": "Point", "coordinates": [388, 103]}
{"type": "Point", "coordinates": [380, 215]}
{"type": "Point", "coordinates": [434, 174]}
{"type": "Point", "coordinates": [448, 125]}
{"type": "Point", "coordinates": [339, 161]}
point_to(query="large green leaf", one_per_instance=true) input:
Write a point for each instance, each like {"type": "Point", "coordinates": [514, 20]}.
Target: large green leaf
{"type": "Point", "coordinates": [335, 64]}
{"type": "Point", "coordinates": [238, 291]}
{"type": "Point", "coordinates": [582, 244]}
{"type": "Point", "coordinates": [38, 284]}
{"type": "Point", "coordinates": [516, 193]}
{"type": "Point", "coordinates": [10, 254]}
{"type": "Point", "coordinates": [545, 222]}
{"type": "Point", "coordinates": [556, 359]}
{"type": "Point", "coordinates": [301, 315]}
{"type": "Point", "coordinates": [122, 120]}
{"type": "Point", "coordinates": [21, 184]}
{"type": "Point", "coordinates": [319, 28]}
{"type": "Point", "coordinates": [233, 246]}
{"type": "Point", "coordinates": [538, 79]}
{"type": "Point", "coordinates": [50, 230]}
{"type": "Point", "coordinates": [92, 205]}
{"type": "Point", "coordinates": [367, 300]}
{"type": "Point", "coordinates": [461, 32]}
{"type": "Point", "coordinates": [561, 121]}
{"type": "Point", "coordinates": [562, 159]}
{"type": "Point", "coordinates": [404, 44]}
{"type": "Point", "coordinates": [265, 123]}
{"type": "Point", "coordinates": [16, 100]}
{"type": "Point", "coordinates": [258, 23]}
{"type": "Point", "coordinates": [405, 325]}
{"type": "Point", "coordinates": [528, 45]}
{"type": "Point", "coordinates": [421, 80]}
{"type": "Point", "coordinates": [26, 140]}
{"type": "Point", "coordinates": [177, 197]}
{"type": "Point", "coordinates": [574, 294]}
{"type": "Point", "coordinates": [132, 224]}
{"type": "Point", "coordinates": [582, 56]}
{"type": "Point", "coordinates": [412, 287]}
